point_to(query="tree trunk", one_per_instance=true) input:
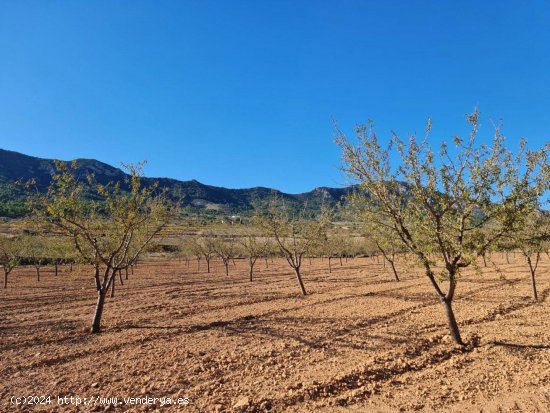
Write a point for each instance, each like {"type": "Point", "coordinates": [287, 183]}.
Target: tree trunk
{"type": "Point", "coordinates": [56, 270]}
{"type": "Point", "coordinates": [300, 282]}
{"type": "Point", "coordinates": [120, 276]}
{"type": "Point", "coordinates": [451, 322]}
{"type": "Point", "coordinates": [484, 260]}
{"type": "Point", "coordinates": [309, 260]}
{"type": "Point", "coordinates": [96, 323]}
{"type": "Point", "coordinates": [113, 287]}
{"type": "Point", "coordinates": [132, 268]}
{"type": "Point", "coordinates": [329, 265]}
{"type": "Point", "coordinates": [394, 270]}
{"type": "Point", "coordinates": [507, 259]}
{"type": "Point", "coordinates": [126, 273]}
{"type": "Point", "coordinates": [37, 273]}
{"type": "Point", "coordinates": [208, 266]}
{"type": "Point", "coordinates": [533, 270]}
{"type": "Point", "coordinates": [266, 264]}
{"type": "Point", "coordinates": [226, 264]}
{"type": "Point", "coordinates": [534, 287]}
{"type": "Point", "coordinates": [5, 278]}
{"type": "Point", "coordinates": [198, 264]}
{"type": "Point", "coordinates": [340, 260]}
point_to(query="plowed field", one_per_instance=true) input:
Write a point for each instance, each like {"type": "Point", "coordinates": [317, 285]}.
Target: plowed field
{"type": "Point", "coordinates": [358, 342]}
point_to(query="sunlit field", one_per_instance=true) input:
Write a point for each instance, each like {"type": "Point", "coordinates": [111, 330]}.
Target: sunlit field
{"type": "Point", "coordinates": [358, 341]}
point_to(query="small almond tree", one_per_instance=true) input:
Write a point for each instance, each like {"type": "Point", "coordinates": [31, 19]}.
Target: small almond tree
{"type": "Point", "coordinates": [61, 251]}
{"type": "Point", "coordinates": [193, 250]}
{"type": "Point", "coordinates": [532, 238]}
{"type": "Point", "coordinates": [56, 255]}
{"type": "Point", "coordinates": [505, 246]}
{"type": "Point", "coordinates": [389, 249]}
{"type": "Point", "coordinates": [254, 247]}
{"type": "Point", "coordinates": [385, 242]}
{"type": "Point", "coordinates": [271, 251]}
{"type": "Point", "coordinates": [11, 249]}
{"type": "Point", "coordinates": [333, 247]}
{"type": "Point", "coordinates": [185, 251]}
{"type": "Point", "coordinates": [295, 235]}
{"type": "Point", "coordinates": [438, 206]}
{"type": "Point", "coordinates": [110, 232]}
{"type": "Point", "coordinates": [226, 249]}
{"type": "Point", "coordinates": [35, 250]}
{"type": "Point", "coordinates": [204, 246]}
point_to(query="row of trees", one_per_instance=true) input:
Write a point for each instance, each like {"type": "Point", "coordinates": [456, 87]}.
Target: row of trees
{"type": "Point", "coordinates": [35, 250]}
{"type": "Point", "coordinates": [227, 248]}
{"type": "Point", "coordinates": [274, 234]}
{"type": "Point", "coordinates": [296, 237]}
{"type": "Point", "coordinates": [446, 209]}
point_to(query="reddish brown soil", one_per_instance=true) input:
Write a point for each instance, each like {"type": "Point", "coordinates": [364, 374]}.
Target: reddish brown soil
{"type": "Point", "coordinates": [359, 342]}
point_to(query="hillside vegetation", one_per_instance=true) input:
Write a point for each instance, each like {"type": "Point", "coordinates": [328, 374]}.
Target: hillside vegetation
{"type": "Point", "coordinates": [193, 195]}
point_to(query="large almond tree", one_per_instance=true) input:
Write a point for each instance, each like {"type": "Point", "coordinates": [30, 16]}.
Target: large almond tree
{"type": "Point", "coordinates": [109, 231]}
{"type": "Point", "coordinates": [447, 207]}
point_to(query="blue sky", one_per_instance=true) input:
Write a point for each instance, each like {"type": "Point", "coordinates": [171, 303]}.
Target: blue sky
{"type": "Point", "coordinates": [242, 93]}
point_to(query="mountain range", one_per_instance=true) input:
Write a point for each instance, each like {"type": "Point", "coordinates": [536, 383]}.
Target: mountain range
{"type": "Point", "coordinates": [194, 195]}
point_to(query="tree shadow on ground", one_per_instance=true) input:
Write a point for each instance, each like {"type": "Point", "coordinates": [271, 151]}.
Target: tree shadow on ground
{"type": "Point", "coordinates": [520, 346]}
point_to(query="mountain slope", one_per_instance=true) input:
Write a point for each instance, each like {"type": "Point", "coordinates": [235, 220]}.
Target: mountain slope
{"type": "Point", "coordinates": [15, 167]}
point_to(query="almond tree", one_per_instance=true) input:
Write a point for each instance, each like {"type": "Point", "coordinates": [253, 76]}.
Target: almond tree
{"type": "Point", "coordinates": [294, 235]}
{"type": "Point", "coordinates": [505, 246]}
{"type": "Point", "coordinates": [58, 249]}
{"type": "Point", "coordinates": [110, 232]}
{"type": "Point", "coordinates": [189, 245]}
{"type": "Point", "coordinates": [204, 246]}
{"type": "Point", "coordinates": [254, 247]}
{"type": "Point", "coordinates": [63, 250]}
{"type": "Point", "coordinates": [333, 247]}
{"type": "Point", "coordinates": [270, 251]}
{"type": "Point", "coordinates": [226, 249]}
{"type": "Point", "coordinates": [34, 248]}
{"type": "Point", "coordinates": [437, 205]}
{"type": "Point", "coordinates": [342, 248]}
{"type": "Point", "coordinates": [131, 259]}
{"type": "Point", "coordinates": [532, 238]}
{"type": "Point", "coordinates": [385, 241]}
{"type": "Point", "coordinates": [10, 255]}
{"type": "Point", "coordinates": [185, 251]}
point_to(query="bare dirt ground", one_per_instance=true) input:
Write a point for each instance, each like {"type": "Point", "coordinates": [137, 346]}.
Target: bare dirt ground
{"type": "Point", "coordinates": [359, 342]}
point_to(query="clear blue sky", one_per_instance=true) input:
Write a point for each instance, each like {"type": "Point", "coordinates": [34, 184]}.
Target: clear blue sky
{"type": "Point", "coordinates": [241, 93]}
